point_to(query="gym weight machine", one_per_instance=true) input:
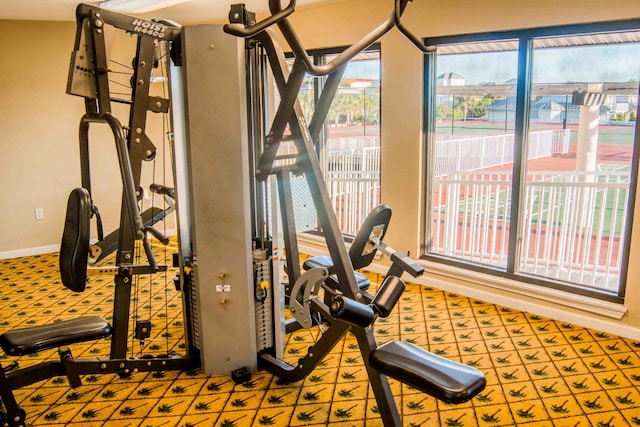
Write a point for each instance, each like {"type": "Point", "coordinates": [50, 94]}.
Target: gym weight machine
{"type": "Point", "coordinates": [89, 78]}
{"type": "Point", "coordinates": [329, 287]}
{"type": "Point", "coordinates": [228, 236]}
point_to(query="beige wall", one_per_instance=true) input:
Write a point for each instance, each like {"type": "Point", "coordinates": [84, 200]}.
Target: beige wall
{"type": "Point", "coordinates": [39, 161]}
{"type": "Point", "coordinates": [39, 164]}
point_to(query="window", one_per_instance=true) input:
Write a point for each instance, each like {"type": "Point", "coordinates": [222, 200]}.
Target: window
{"type": "Point", "coordinates": [474, 139]}
{"type": "Point", "coordinates": [349, 146]}
{"type": "Point", "coordinates": [531, 166]}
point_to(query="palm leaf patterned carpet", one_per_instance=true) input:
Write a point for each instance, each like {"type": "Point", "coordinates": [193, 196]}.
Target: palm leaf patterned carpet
{"type": "Point", "coordinates": [540, 372]}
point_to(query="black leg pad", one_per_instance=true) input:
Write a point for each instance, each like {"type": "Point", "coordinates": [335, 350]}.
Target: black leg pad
{"type": "Point", "coordinates": [20, 342]}
{"type": "Point", "coordinates": [74, 249]}
{"type": "Point", "coordinates": [444, 379]}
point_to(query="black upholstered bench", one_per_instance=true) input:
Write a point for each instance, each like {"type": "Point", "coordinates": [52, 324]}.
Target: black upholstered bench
{"type": "Point", "coordinates": [444, 379]}
{"type": "Point", "coordinates": [32, 339]}
{"type": "Point", "coordinates": [326, 262]}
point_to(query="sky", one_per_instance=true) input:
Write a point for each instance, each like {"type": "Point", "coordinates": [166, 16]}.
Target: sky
{"type": "Point", "coordinates": [613, 63]}
{"type": "Point", "coordinates": [364, 69]}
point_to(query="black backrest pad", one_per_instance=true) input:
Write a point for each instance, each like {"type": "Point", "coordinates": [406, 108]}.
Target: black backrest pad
{"type": "Point", "coordinates": [74, 249]}
{"type": "Point", "coordinates": [360, 256]}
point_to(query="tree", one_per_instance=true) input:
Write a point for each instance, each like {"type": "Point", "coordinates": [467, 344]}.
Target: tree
{"type": "Point", "coordinates": [474, 106]}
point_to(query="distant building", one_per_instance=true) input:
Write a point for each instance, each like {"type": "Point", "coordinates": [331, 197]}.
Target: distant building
{"type": "Point", "coordinates": [554, 109]}
{"type": "Point", "coordinates": [360, 83]}
{"type": "Point", "coordinates": [622, 105]}
{"type": "Point", "coordinates": [448, 79]}
{"type": "Point", "coordinates": [548, 109]}
{"type": "Point", "coordinates": [501, 110]}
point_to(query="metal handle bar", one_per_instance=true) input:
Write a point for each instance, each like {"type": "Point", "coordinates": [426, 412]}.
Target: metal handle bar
{"type": "Point", "coordinates": [398, 9]}
{"type": "Point", "coordinates": [123, 159]}
{"type": "Point", "coordinates": [348, 54]}
{"type": "Point", "coordinates": [279, 15]}
{"type": "Point", "coordinates": [130, 200]}
{"type": "Point", "coordinates": [256, 28]}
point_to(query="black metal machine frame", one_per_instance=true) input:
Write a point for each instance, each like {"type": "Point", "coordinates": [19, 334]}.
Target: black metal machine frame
{"type": "Point", "coordinates": [89, 78]}
{"type": "Point", "coordinates": [346, 307]}
{"type": "Point", "coordinates": [133, 146]}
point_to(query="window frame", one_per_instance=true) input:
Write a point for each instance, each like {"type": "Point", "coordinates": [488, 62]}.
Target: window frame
{"type": "Point", "coordinates": [525, 38]}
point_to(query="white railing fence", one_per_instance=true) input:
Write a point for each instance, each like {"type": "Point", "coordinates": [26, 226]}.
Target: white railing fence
{"type": "Point", "coordinates": [352, 165]}
{"type": "Point", "coordinates": [455, 153]}
{"type": "Point", "coordinates": [572, 230]}
{"type": "Point", "coordinates": [353, 181]}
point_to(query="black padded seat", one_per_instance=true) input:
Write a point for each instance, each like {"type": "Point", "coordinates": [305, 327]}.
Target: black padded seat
{"type": "Point", "coordinates": [325, 261]}
{"type": "Point", "coordinates": [444, 379]}
{"type": "Point", "coordinates": [30, 340]}
{"type": "Point", "coordinates": [317, 261]}
{"type": "Point", "coordinates": [361, 252]}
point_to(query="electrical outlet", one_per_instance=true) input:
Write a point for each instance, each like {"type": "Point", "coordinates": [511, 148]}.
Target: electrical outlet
{"type": "Point", "coordinates": [39, 213]}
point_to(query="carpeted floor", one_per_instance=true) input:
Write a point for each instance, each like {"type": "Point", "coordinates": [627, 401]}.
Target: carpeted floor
{"type": "Point", "coordinates": [540, 372]}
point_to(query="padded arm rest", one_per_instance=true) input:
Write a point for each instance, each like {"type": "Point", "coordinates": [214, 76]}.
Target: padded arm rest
{"type": "Point", "coordinates": [36, 338]}
{"type": "Point", "coordinates": [444, 379]}
{"type": "Point", "coordinates": [74, 249]}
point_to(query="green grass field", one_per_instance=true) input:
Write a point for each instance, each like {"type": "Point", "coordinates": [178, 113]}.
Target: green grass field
{"type": "Point", "coordinates": [608, 134]}
{"type": "Point", "coordinates": [547, 205]}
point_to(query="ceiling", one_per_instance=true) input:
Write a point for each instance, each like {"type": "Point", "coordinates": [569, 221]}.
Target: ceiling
{"type": "Point", "coordinates": [193, 12]}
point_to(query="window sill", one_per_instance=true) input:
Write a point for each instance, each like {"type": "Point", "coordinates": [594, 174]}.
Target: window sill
{"type": "Point", "coordinates": [489, 288]}
{"type": "Point", "coordinates": [558, 297]}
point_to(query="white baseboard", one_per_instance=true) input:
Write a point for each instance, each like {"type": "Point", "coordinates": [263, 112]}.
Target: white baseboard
{"type": "Point", "coordinates": [30, 251]}
{"type": "Point", "coordinates": [39, 250]}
